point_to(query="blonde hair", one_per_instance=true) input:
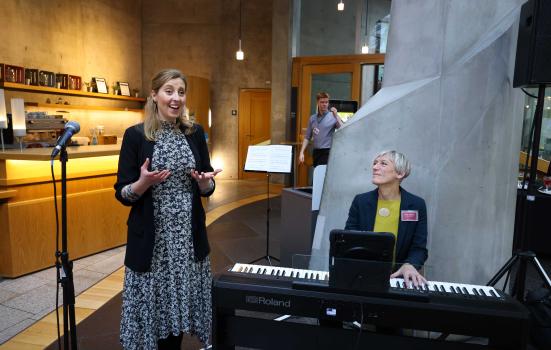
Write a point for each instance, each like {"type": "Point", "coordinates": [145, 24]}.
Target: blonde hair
{"type": "Point", "coordinates": [401, 163]}
{"type": "Point", "coordinates": [151, 119]}
{"type": "Point", "coordinates": [321, 95]}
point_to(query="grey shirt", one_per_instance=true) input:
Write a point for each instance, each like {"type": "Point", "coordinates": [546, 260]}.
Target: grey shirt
{"type": "Point", "coordinates": [325, 125]}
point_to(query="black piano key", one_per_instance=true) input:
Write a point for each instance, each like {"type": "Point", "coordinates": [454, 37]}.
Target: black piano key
{"type": "Point", "coordinates": [317, 276]}
{"type": "Point", "coordinates": [465, 291]}
{"type": "Point", "coordinates": [475, 292]}
{"type": "Point", "coordinates": [493, 293]}
{"type": "Point", "coordinates": [482, 292]}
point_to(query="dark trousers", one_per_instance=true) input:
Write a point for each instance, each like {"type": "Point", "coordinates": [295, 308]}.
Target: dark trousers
{"type": "Point", "coordinates": [321, 156]}
{"type": "Point", "coordinates": [173, 342]}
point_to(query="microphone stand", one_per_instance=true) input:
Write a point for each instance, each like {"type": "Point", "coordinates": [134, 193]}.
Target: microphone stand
{"type": "Point", "coordinates": [66, 280]}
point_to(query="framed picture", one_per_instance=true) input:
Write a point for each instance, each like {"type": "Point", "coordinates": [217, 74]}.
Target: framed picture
{"type": "Point", "coordinates": [124, 88]}
{"type": "Point", "coordinates": [101, 85]}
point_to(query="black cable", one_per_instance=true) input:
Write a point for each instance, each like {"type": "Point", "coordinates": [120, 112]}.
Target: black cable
{"type": "Point", "coordinates": [57, 255]}
{"type": "Point", "coordinates": [529, 94]}
{"type": "Point", "coordinates": [361, 325]}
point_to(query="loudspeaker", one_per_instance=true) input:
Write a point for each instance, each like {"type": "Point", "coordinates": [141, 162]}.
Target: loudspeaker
{"type": "Point", "coordinates": [532, 66]}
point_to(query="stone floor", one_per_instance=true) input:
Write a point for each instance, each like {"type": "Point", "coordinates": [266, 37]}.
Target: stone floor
{"type": "Point", "coordinates": [26, 299]}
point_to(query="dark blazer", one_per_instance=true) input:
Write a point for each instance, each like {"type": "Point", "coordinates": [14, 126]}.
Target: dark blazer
{"type": "Point", "coordinates": [141, 228]}
{"type": "Point", "coordinates": [411, 246]}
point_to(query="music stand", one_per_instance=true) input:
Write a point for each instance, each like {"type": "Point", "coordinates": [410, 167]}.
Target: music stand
{"type": "Point", "coordinates": [269, 159]}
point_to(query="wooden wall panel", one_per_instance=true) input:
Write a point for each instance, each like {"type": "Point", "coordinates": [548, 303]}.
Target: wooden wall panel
{"type": "Point", "coordinates": [96, 222]}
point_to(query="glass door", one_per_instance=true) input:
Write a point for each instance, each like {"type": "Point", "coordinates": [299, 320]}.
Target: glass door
{"type": "Point", "coordinates": [340, 81]}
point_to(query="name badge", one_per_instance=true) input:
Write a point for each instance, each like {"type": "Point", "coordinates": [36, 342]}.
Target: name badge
{"type": "Point", "coordinates": [409, 215]}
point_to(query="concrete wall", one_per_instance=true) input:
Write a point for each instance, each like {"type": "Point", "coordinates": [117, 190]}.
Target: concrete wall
{"type": "Point", "coordinates": [89, 38]}
{"type": "Point", "coordinates": [281, 71]}
{"type": "Point", "coordinates": [325, 31]}
{"type": "Point", "coordinates": [447, 102]}
{"type": "Point", "coordinates": [200, 37]}
{"type": "Point", "coordinates": [79, 37]}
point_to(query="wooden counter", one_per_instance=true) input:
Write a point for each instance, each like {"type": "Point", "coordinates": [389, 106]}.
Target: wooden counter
{"type": "Point", "coordinates": [96, 220]}
{"type": "Point", "coordinates": [73, 152]}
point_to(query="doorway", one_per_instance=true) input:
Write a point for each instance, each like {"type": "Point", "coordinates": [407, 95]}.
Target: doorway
{"type": "Point", "coordinates": [255, 107]}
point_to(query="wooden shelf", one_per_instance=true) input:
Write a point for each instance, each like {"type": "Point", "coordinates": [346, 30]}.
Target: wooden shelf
{"type": "Point", "coordinates": [51, 90]}
{"type": "Point", "coordinates": [73, 151]}
{"type": "Point", "coordinates": [96, 108]}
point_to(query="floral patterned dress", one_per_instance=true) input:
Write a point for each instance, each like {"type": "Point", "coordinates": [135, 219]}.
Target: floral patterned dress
{"type": "Point", "coordinates": [175, 295]}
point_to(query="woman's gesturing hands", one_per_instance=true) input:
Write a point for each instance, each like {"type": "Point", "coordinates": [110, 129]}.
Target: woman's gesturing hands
{"type": "Point", "coordinates": [204, 179]}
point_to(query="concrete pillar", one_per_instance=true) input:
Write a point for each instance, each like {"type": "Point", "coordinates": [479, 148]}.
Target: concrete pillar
{"type": "Point", "coordinates": [447, 102]}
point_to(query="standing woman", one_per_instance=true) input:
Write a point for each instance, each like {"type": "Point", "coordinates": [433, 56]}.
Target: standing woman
{"type": "Point", "coordinates": [164, 169]}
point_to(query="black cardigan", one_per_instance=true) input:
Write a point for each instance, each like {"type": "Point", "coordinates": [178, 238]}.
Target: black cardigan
{"type": "Point", "coordinates": [141, 228]}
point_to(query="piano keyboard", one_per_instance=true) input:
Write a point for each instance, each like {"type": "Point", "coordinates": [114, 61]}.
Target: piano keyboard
{"type": "Point", "coordinates": [278, 271]}
{"type": "Point", "coordinates": [397, 284]}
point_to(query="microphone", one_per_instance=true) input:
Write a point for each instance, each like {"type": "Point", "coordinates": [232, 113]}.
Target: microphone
{"type": "Point", "coordinates": [71, 128]}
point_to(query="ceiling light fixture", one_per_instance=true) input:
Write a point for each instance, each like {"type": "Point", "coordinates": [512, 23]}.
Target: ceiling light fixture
{"type": "Point", "coordinates": [239, 54]}
{"type": "Point", "coordinates": [340, 6]}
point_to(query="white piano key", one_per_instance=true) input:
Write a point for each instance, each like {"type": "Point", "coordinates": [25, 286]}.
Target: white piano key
{"type": "Point", "coordinates": [451, 287]}
{"type": "Point", "coordinates": [433, 286]}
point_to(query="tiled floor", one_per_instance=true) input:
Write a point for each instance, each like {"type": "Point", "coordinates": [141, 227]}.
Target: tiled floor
{"type": "Point", "coordinates": [26, 299]}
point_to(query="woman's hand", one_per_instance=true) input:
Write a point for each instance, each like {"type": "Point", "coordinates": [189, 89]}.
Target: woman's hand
{"type": "Point", "coordinates": [204, 179]}
{"type": "Point", "coordinates": [148, 178]}
{"type": "Point", "coordinates": [410, 275]}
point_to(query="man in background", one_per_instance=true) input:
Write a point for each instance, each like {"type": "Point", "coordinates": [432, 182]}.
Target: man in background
{"type": "Point", "coordinates": [320, 128]}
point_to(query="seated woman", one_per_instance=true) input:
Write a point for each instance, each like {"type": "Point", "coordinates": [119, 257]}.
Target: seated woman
{"type": "Point", "coordinates": [390, 208]}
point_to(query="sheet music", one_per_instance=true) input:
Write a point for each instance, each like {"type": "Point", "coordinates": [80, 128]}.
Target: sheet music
{"type": "Point", "coordinates": [279, 159]}
{"type": "Point", "coordinates": [271, 158]}
{"type": "Point", "coordinates": [257, 159]}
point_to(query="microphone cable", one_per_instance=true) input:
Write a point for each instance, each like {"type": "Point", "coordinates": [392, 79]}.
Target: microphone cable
{"type": "Point", "coordinates": [57, 256]}
{"type": "Point", "coordinates": [360, 327]}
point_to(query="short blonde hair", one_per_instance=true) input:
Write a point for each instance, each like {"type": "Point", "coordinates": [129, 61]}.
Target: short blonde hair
{"type": "Point", "coordinates": [321, 95]}
{"type": "Point", "coordinates": [401, 163]}
{"type": "Point", "coordinates": [151, 120]}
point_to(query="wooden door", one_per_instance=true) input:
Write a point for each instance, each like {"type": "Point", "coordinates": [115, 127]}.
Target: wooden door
{"type": "Point", "coordinates": [254, 124]}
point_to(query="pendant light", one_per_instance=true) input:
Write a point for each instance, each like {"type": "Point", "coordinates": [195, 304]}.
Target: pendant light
{"type": "Point", "coordinates": [340, 6]}
{"type": "Point", "coordinates": [239, 54]}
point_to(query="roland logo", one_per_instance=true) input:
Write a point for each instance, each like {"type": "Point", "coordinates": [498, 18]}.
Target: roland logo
{"type": "Point", "coordinates": [260, 300]}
